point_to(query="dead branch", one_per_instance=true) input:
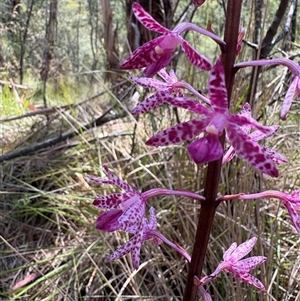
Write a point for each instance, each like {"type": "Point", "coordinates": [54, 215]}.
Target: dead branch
{"type": "Point", "coordinates": [41, 146]}
{"type": "Point", "coordinates": [10, 84]}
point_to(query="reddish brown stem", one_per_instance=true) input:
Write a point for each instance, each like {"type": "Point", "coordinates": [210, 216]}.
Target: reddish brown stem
{"type": "Point", "coordinates": [208, 207]}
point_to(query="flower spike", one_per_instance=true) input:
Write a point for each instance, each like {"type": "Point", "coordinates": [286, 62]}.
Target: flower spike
{"type": "Point", "coordinates": [213, 123]}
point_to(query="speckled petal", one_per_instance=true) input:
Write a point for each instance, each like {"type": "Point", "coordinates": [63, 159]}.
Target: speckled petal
{"type": "Point", "coordinates": [195, 57]}
{"type": "Point", "coordinates": [147, 82]}
{"type": "Point", "coordinates": [243, 120]}
{"type": "Point", "coordinates": [293, 214]}
{"type": "Point", "coordinates": [242, 250]}
{"type": "Point", "coordinates": [118, 181]}
{"type": "Point", "coordinates": [245, 265]}
{"type": "Point", "coordinates": [178, 133]}
{"type": "Point", "coordinates": [251, 280]}
{"type": "Point", "coordinates": [112, 201]}
{"type": "Point", "coordinates": [229, 251]}
{"type": "Point", "coordinates": [189, 104]}
{"type": "Point", "coordinates": [217, 88]}
{"type": "Point", "coordinates": [151, 102]}
{"type": "Point", "coordinates": [143, 56]}
{"type": "Point", "coordinates": [289, 96]}
{"type": "Point", "coordinates": [147, 20]}
{"type": "Point", "coordinates": [251, 151]}
{"type": "Point", "coordinates": [133, 245]}
{"type": "Point", "coordinates": [132, 215]}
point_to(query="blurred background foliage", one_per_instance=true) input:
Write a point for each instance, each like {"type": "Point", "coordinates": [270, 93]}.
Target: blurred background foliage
{"type": "Point", "coordinates": [65, 111]}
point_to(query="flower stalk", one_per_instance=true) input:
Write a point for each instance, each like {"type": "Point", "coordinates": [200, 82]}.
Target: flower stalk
{"type": "Point", "coordinates": [209, 206]}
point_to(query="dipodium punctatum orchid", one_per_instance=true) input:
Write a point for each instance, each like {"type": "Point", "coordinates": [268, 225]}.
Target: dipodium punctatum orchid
{"type": "Point", "coordinates": [233, 264]}
{"type": "Point", "coordinates": [157, 54]}
{"type": "Point", "coordinates": [241, 268]}
{"type": "Point", "coordinates": [127, 209]}
{"type": "Point", "coordinates": [171, 86]}
{"type": "Point", "coordinates": [213, 123]}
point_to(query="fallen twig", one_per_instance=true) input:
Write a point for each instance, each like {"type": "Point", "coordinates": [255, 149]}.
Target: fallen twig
{"type": "Point", "coordinates": [39, 146]}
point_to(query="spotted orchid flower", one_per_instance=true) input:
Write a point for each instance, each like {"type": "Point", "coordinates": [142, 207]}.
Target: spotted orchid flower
{"type": "Point", "coordinates": [294, 88]}
{"type": "Point", "coordinates": [126, 210]}
{"type": "Point", "coordinates": [233, 264]}
{"type": "Point", "coordinates": [256, 136]}
{"type": "Point", "coordinates": [144, 231]}
{"type": "Point", "coordinates": [213, 123]}
{"type": "Point", "coordinates": [170, 86]}
{"type": "Point", "coordinates": [240, 269]}
{"type": "Point", "coordinates": [157, 53]}
{"type": "Point", "coordinates": [290, 201]}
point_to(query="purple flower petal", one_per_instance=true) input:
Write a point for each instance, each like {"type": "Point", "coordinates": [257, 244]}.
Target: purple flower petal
{"type": "Point", "coordinates": [206, 149]}
{"type": "Point", "coordinates": [132, 215]}
{"type": "Point", "coordinates": [178, 133]}
{"type": "Point", "coordinates": [289, 96]}
{"type": "Point", "coordinates": [245, 265]}
{"type": "Point", "coordinates": [229, 251]}
{"type": "Point", "coordinates": [195, 57]}
{"type": "Point", "coordinates": [250, 279]}
{"type": "Point", "coordinates": [242, 250]}
{"type": "Point", "coordinates": [135, 252]}
{"type": "Point", "coordinates": [293, 214]}
{"type": "Point", "coordinates": [217, 88]}
{"type": "Point", "coordinates": [133, 243]}
{"type": "Point", "coordinates": [143, 56]}
{"type": "Point", "coordinates": [189, 104]}
{"type": "Point", "coordinates": [108, 221]}
{"type": "Point", "coordinates": [151, 103]}
{"type": "Point", "coordinates": [112, 201]}
{"type": "Point", "coordinates": [118, 181]}
{"type": "Point", "coordinates": [275, 156]}
{"type": "Point", "coordinates": [162, 62]}
{"type": "Point", "coordinates": [147, 20]}
{"type": "Point", "coordinates": [251, 151]}
{"type": "Point", "coordinates": [147, 82]}
{"type": "Point", "coordinates": [243, 120]}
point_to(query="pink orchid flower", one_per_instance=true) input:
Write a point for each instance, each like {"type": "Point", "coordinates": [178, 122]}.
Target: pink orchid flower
{"type": "Point", "coordinates": [170, 86]}
{"type": "Point", "coordinates": [241, 268]}
{"type": "Point", "coordinates": [233, 264]}
{"type": "Point", "coordinates": [213, 123]}
{"type": "Point", "coordinates": [157, 54]}
{"type": "Point", "coordinates": [144, 231]}
{"type": "Point", "coordinates": [294, 88]}
{"type": "Point", "coordinates": [290, 201]}
{"type": "Point", "coordinates": [127, 209]}
{"type": "Point", "coordinates": [256, 136]}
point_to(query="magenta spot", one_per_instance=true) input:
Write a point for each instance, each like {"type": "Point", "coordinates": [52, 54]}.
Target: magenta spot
{"type": "Point", "coordinates": [267, 165]}
{"type": "Point", "coordinates": [260, 158]}
{"type": "Point", "coordinates": [172, 135]}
